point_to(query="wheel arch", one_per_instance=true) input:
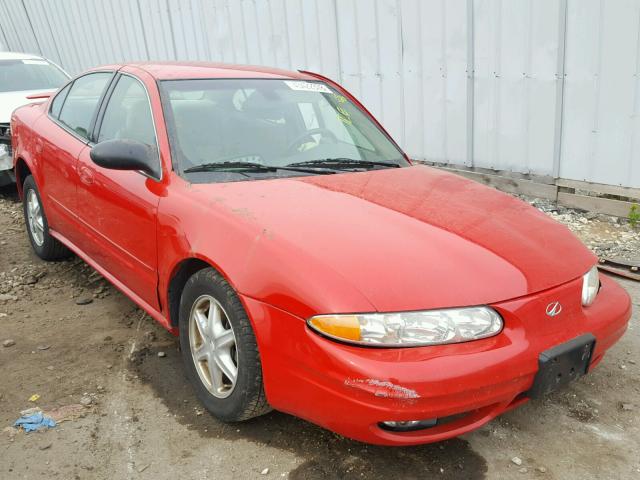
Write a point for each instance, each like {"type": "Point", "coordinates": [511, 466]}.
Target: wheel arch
{"type": "Point", "coordinates": [180, 273]}
{"type": "Point", "coordinates": [22, 171]}
{"type": "Point", "coordinates": [178, 279]}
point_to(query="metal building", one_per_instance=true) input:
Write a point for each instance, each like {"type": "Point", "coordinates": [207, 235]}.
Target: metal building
{"type": "Point", "coordinates": [545, 88]}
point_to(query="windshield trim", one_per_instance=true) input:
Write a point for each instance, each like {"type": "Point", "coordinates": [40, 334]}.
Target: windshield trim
{"type": "Point", "coordinates": [170, 121]}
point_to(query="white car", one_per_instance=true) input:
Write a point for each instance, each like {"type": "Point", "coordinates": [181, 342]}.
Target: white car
{"type": "Point", "coordinates": [22, 75]}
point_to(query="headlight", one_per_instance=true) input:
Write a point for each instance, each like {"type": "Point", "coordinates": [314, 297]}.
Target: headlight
{"type": "Point", "coordinates": [590, 286]}
{"type": "Point", "coordinates": [410, 329]}
{"type": "Point", "coordinates": [6, 162]}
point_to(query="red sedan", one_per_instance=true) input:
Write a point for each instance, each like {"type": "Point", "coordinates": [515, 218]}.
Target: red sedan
{"type": "Point", "coordinates": [269, 220]}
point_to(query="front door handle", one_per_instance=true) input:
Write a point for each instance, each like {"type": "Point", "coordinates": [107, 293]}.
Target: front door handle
{"type": "Point", "coordinates": [85, 174]}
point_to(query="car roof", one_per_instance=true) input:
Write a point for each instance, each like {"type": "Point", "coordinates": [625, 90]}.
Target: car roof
{"type": "Point", "coordinates": [19, 56]}
{"type": "Point", "coordinates": [194, 70]}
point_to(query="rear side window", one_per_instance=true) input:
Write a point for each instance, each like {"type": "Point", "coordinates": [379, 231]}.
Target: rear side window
{"type": "Point", "coordinates": [82, 100]}
{"type": "Point", "coordinates": [56, 104]}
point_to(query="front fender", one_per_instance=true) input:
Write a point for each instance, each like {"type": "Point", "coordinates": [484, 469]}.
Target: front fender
{"type": "Point", "coordinates": [256, 262]}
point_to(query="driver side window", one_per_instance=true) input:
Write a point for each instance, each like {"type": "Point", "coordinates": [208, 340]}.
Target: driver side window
{"type": "Point", "coordinates": [128, 114]}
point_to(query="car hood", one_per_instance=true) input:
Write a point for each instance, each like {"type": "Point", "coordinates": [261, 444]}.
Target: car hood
{"type": "Point", "coordinates": [406, 239]}
{"type": "Point", "coordinates": [9, 101]}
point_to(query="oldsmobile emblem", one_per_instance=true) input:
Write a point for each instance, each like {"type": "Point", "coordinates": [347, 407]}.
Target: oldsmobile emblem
{"type": "Point", "coordinates": [554, 308]}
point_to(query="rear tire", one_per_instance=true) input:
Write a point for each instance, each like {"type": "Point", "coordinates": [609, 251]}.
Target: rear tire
{"type": "Point", "coordinates": [45, 246]}
{"type": "Point", "coordinates": [219, 349]}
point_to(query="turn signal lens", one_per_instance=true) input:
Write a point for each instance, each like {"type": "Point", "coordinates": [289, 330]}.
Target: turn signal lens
{"type": "Point", "coordinates": [407, 329]}
{"type": "Point", "coordinates": [344, 327]}
{"type": "Point", "coordinates": [590, 286]}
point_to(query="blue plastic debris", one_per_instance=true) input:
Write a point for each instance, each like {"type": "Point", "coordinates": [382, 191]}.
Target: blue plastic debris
{"type": "Point", "coordinates": [34, 421]}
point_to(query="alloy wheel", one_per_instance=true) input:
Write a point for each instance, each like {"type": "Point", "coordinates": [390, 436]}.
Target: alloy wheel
{"type": "Point", "coordinates": [35, 218]}
{"type": "Point", "coordinates": [213, 346]}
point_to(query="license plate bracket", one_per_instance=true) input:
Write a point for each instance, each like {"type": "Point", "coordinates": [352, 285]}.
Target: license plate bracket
{"type": "Point", "coordinates": [562, 364]}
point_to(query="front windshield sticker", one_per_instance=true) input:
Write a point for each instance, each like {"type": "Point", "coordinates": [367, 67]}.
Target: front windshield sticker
{"type": "Point", "coordinates": [344, 115]}
{"type": "Point", "coordinates": [307, 86]}
{"type": "Point", "coordinates": [35, 62]}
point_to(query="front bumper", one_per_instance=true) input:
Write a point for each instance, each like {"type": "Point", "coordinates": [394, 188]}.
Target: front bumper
{"type": "Point", "coordinates": [7, 178]}
{"type": "Point", "coordinates": [351, 389]}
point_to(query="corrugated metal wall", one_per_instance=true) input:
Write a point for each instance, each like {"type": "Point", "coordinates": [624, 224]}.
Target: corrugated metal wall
{"type": "Point", "coordinates": [549, 87]}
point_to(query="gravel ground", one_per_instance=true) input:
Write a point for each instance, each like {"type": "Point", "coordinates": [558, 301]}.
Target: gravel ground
{"type": "Point", "coordinates": [114, 379]}
{"type": "Point", "coordinates": [609, 237]}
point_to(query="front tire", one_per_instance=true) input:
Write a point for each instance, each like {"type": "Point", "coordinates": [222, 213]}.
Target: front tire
{"type": "Point", "coordinates": [45, 246]}
{"type": "Point", "coordinates": [219, 349]}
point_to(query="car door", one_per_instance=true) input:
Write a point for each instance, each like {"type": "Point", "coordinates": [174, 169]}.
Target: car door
{"type": "Point", "coordinates": [118, 208]}
{"type": "Point", "coordinates": [63, 135]}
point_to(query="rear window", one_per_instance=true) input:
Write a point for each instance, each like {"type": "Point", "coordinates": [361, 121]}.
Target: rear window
{"type": "Point", "coordinates": [34, 74]}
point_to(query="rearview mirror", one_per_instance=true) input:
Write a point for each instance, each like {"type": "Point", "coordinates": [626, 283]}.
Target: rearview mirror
{"type": "Point", "coordinates": [126, 155]}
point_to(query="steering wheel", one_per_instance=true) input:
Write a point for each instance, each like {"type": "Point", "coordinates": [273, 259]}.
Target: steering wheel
{"type": "Point", "coordinates": [308, 134]}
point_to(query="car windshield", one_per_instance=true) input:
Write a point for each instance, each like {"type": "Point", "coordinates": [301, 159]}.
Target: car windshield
{"type": "Point", "coordinates": [31, 74]}
{"type": "Point", "coordinates": [258, 127]}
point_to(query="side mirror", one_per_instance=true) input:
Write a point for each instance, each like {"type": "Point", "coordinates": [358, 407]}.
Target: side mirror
{"type": "Point", "coordinates": [126, 155]}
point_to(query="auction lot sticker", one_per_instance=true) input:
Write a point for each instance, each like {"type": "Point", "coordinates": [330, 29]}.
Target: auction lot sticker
{"type": "Point", "coordinates": [307, 86]}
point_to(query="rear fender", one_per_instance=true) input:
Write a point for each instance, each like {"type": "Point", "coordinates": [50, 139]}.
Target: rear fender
{"type": "Point", "coordinates": [24, 143]}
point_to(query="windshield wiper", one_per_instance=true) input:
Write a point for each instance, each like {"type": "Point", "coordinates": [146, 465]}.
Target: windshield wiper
{"type": "Point", "coordinates": [213, 166]}
{"type": "Point", "coordinates": [342, 163]}
{"type": "Point", "coordinates": [243, 167]}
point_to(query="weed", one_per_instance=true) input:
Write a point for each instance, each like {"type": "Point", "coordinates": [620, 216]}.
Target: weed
{"type": "Point", "coordinates": [634, 215]}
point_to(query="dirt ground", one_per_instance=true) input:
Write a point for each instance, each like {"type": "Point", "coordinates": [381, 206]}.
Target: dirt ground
{"type": "Point", "coordinates": [143, 420]}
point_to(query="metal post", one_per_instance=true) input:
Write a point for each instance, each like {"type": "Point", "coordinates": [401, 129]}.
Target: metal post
{"type": "Point", "coordinates": [562, 41]}
{"type": "Point", "coordinates": [470, 81]}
